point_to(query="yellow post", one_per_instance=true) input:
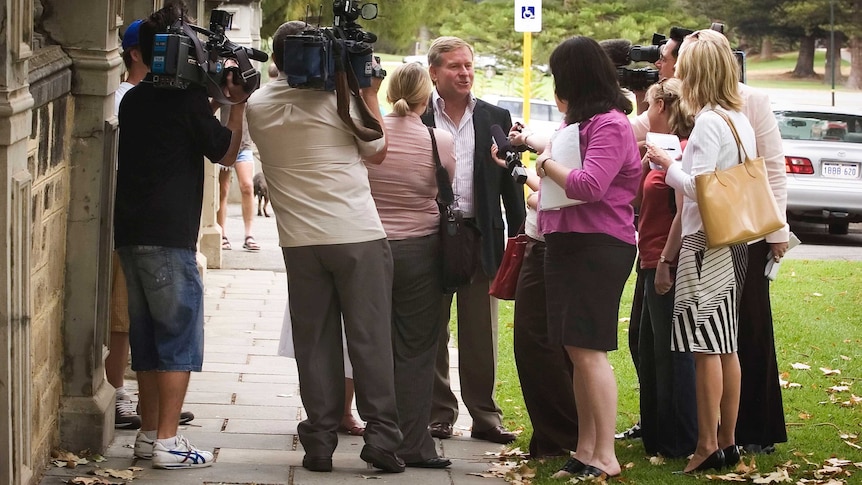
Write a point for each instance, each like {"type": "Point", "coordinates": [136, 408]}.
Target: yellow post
{"type": "Point", "coordinates": [528, 63]}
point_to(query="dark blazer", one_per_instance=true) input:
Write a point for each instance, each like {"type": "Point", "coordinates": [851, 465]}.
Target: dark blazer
{"type": "Point", "coordinates": [491, 183]}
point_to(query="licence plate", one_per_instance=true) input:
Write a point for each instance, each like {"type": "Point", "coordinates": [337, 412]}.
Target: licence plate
{"type": "Point", "coordinates": [839, 170]}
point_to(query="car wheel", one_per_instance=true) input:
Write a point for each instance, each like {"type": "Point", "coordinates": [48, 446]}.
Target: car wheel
{"type": "Point", "coordinates": [839, 228]}
{"type": "Point", "coordinates": [490, 71]}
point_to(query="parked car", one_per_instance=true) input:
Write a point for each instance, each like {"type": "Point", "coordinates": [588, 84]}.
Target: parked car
{"type": "Point", "coordinates": [545, 118]}
{"type": "Point", "coordinates": [823, 155]}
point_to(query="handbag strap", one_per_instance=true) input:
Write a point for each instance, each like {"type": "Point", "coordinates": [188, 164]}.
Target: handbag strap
{"type": "Point", "coordinates": [739, 147]}
{"type": "Point", "coordinates": [444, 185]}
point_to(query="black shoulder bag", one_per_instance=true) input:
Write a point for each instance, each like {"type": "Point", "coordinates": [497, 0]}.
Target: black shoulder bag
{"type": "Point", "coordinates": [459, 237]}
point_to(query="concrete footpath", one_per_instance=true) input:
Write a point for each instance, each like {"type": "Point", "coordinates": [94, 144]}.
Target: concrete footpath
{"type": "Point", "coordinates": [246, 401]}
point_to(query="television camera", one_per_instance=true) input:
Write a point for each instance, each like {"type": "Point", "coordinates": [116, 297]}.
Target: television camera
{"type": "Point", "coordinates": [181, 59]}
{"type": "Point", "coordinates": [312, 58]}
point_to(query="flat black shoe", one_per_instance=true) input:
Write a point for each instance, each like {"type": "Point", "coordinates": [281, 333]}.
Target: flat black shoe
{"type": "Point", "coordinates": [572, 467]}
{"type": "Point", "coordinates": [731, 455]}
{"type": "Point", "coordinates": [632, 433]}
{"type": "Point", "coordinates": [715, 461]}
{"type": "Point", "coordinates": [382, 459]}
{"type": "Point", "coordinates": [317, 463]}
{"type": "Point", "coordinates": [590, 471]}
{"type": "Point", "coordinates": [437, 462]}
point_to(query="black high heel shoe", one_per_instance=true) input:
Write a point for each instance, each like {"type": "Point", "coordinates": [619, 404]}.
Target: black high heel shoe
{"type": "Point", "coordinates": [731, 456]}
{"type": "Point", "coordinates": [715, 461]}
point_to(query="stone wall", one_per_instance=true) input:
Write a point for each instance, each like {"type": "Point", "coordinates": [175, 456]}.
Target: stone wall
{"type": "Point", "coordinates": [48, 164]}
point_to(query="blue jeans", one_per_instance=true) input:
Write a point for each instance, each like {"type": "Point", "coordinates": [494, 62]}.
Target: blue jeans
{"type": "Point", "coordinates": [166, 331]}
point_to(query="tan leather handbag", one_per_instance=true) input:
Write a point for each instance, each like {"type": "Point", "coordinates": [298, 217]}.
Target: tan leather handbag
{"type": "Point", "coordinates": [737, 205]}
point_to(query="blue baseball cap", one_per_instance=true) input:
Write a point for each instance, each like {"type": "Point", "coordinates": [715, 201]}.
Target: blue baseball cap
{"type": "Point", "coordinates": [130, 38]}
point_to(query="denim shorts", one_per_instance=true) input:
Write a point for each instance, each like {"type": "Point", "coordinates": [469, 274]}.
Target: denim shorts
{"type": "Point", "coordinates": [166, 331]}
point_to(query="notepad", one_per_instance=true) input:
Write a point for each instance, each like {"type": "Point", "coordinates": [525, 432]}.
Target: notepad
{"type": "Point", "coordinates": [668, 143]}
{"type": "Point", "coordinates": [565, 150]}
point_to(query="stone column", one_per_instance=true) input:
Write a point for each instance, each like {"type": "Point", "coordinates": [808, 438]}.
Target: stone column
{"type": "Point", "coordinates": [16, 22]}
{"type": "Point", "coordinates": [88, 33]}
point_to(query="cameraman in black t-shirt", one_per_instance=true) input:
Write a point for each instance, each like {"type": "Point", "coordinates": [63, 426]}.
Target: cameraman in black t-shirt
{"type": "Point", "coordinates": [165, 135]}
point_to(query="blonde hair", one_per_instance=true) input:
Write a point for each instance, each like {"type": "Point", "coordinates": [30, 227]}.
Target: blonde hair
{"type": "Point", "coordinates": [409, 86]}
{"type": "Point", "coordinates": [442, 45]}
{"type": "Point", "coordinates": [669, 90]}
{"type": "Point", "coordinates": [709, 72]}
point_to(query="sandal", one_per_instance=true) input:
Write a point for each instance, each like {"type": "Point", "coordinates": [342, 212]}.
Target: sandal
{"type": "Point", "coordinates": [350, 426]}
{"type": "Point", "coordinates": [225, 244]}
{"type": "Point", "coordinates": [250, 244]}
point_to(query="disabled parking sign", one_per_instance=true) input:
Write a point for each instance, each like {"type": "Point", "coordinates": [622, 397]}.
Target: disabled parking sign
{"type": "Point", "coordinates": [528, 15]}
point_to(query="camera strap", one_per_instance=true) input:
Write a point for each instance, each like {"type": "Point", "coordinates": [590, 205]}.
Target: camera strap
{"type": "Point", "coordinates": [346, 85]}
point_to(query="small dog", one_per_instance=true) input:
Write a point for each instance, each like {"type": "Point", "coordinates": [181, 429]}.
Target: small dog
{"type": "Point", "coordinates": [261, 192]}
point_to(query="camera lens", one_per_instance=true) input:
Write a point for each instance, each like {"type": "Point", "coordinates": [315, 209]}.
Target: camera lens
{"type": "Point", "coordinates": [645, 53]}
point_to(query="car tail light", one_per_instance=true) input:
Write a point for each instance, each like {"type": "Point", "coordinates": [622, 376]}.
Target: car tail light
{"type": "Point", "coordinates": [798, 165]}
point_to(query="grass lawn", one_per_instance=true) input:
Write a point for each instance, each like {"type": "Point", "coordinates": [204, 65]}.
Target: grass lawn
{"type": "Point", "coordinates": [817, 323]}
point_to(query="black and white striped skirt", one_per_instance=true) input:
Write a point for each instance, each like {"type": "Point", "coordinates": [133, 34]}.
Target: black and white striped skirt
{"type": "Point", "coordinates": [708, 288]}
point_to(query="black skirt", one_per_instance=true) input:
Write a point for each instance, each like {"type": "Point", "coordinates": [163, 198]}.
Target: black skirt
{"type": "Point", "coordinates": [584, 278]}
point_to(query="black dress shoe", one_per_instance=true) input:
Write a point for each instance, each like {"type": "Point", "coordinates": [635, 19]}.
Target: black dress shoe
{"type": "Point", "coordinates": [731, 455]}
{"type": "Point", "coordinates": [715, 461]}
{"type": "Point", "coordinates": [572, 467]}
{"type": "Point", "coordinates": [632, 433]}
{"type": "Point", "coordinates": [317, 463]}
{"type": "Point", "coordinates": [497, 434]}
{"type": "Point", "coordinates": [382, 459]}
{"type": "Point", "coordinates": [436, 462]}
{"type": "Point", "coordinates": [441, 430]}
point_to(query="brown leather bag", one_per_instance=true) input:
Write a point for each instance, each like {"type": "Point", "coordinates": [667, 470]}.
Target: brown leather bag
{"type": "Point", "coordinates": [737, 205]}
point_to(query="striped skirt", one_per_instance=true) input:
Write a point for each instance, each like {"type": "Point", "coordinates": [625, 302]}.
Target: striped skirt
{"type": "Point", "coordinates": [708, 289]}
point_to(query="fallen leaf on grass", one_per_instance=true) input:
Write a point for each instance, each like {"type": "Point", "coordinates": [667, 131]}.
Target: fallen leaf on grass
{"type": "Point", "coordinates": [728, 477]}
{"type": "Point", "coordinates": [853, 445]}
{"type": "Point", "coordinates": [838, 389]}
{"type": "Point", "coordinates": [778, 476]}
{"type": "Point", "coordinates": [816, 294]}
{"type": "Point", "coordinates": [844, 357]}
{"type": "Point", "coordinates": [828, 372]}
{"type": "Point", "coordinates": [804, 416]}
{"type": "Point", "coordinates": [656, 460]}
{"type": "Point", "coordinates": [800, 366]}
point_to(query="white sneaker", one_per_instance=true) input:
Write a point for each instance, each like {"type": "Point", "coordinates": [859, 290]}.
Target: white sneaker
{"type": "Point", "coordinates": [184, 455]}
{"type": "Point", "coordinates": [143, 446]}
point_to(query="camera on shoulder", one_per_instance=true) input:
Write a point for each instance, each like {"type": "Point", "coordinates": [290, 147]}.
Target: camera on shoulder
{"type": "Point", "coordinates": [312, 58]}
{"type": "Point", "coordinates": [182, 59]}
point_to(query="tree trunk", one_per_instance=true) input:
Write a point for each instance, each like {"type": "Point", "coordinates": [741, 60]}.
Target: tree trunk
{"type": "Point", "coordinates": [839, 41]}
{"type": "Point", "coordinates": [805, 61]}
{"type": "Point", "coordinates": [854, 81]}
{"type": "Point", "coordinates": [766, 49]}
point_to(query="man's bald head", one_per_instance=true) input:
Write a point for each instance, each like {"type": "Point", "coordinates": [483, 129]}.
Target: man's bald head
{"type": "Point", "coordinates": [292, 27]}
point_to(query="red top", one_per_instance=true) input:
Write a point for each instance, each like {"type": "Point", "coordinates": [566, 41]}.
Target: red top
{"type": "Point", "coordinates": [654, 219]}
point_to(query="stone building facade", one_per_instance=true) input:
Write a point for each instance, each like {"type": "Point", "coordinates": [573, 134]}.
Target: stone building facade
{"type": "Point", "coordinates": [59, 67]}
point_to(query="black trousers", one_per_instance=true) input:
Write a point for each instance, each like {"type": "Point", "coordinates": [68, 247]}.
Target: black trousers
{"type": "Point", "coordinates": [544, 369]}
{"type": "Point", "coordinates": [667, 383]}
{"type": "Point", "coordinates": [761, 410]}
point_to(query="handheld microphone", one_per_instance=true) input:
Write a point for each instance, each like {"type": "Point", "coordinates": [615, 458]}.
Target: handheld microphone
{"type": "Point", "coordinates": [618, 50]}
{"type": "Point", "coordinates": [513, 158]}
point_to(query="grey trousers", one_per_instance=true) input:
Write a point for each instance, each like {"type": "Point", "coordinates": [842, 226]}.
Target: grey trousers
{"type": "Point", "coordinates": [477, 359]}
{"type": "Point", "coordinates": [325, 283]}
{"type": "Point", "coordinates": [416, 294]}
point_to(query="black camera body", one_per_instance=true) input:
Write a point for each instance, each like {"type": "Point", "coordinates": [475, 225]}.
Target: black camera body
{"type": "Point", "coordinates": [638, 79]}
{"type": "Point", "coordinates": [312, 58]}
{"type": "Point", "coordinates": [181, 59]}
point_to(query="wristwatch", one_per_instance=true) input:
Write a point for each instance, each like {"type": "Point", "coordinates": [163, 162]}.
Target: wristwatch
{"type": "Point", "coordinates": [540, 167]}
